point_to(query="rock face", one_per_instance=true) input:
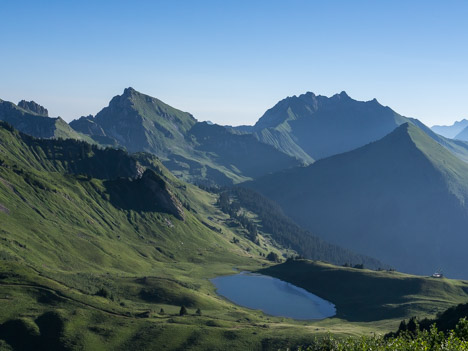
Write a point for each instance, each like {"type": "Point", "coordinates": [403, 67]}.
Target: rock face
{"type": "Point", "coordinates": [146, 194]}
{"type": "Point", "coordinates": [33, 107]}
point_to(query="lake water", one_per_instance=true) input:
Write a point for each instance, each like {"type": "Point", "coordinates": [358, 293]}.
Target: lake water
{"type": "Point", "coordinates": [273, 296]}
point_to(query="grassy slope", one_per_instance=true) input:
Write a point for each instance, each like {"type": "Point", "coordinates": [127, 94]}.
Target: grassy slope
{"type": "Point", "coordinates": [362, 295]}
{"type": "Point", "coordinates": [61, 241]}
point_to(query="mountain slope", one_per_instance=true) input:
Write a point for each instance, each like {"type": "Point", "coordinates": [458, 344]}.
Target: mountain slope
{"type": "Point", "coordinates": [401, 199]}
{"type": "Point", "coordinates": [140, 123]}
{"type": "Point", "coordinates": [270, 219]}
{"type": "Point", "coordinates": [242, 152]}
{"type": "Point", "coordinates": [68, 207]}
{"type": "Point", "coordinates": [33, 119]}
{"type": "Point", "coordinates": [451, 131]}
{"type": "Point", "coordinates": [196, 152]}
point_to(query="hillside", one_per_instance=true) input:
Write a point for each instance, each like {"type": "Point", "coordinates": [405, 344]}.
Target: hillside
{"type": "Point", "coordinates": [400, 199]}
{"type": "Point", "coordinates": [193, 151]}
{"type": "Point", "coordinates": [268, 218]}
{"type": "Point", "coordinates": [32, 119]}
{"type": "Point", "coordinates": [385, 293]}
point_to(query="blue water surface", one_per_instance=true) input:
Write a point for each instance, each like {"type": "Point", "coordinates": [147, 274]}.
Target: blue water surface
{"type": "Point", "coordinates": [273, 296]}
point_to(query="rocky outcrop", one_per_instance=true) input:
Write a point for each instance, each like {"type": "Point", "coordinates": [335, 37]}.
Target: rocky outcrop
{"type": "Point", "coordinates": [33, 107]}
{"type": "Point", "coordinates": [150, 193]}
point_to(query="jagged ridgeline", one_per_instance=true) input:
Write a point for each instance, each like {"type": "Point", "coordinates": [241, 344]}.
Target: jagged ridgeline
{"type": "Point", "coordinates": [311, 127]}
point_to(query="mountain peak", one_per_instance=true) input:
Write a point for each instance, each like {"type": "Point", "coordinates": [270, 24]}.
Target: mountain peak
{"type": "Point", "coordinates": [343, 94]}
{"type": "Point", "coordinates": [33, 107]}
{"type": "Point", "coordinates": [129, 91]}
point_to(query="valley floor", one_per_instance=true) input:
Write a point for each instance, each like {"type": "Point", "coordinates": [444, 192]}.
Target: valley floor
{"type": "Point", "coordinates": [39, 311]}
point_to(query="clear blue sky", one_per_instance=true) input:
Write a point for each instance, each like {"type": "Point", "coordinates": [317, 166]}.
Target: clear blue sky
{"type": "Point", "coordinates": [229, 61]}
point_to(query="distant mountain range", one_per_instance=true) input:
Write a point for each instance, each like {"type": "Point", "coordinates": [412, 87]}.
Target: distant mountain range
{"type": "Point", "coordinates": [315, 127]}
{"type": "Point", "coordinates": [402, 199]}
{"type": "Point", "coordinates": [451, 131]}
{"type": "Point", "coordinates": [194, 151]}
{"type": "Point", "coordinates": [311, 127]}
{"type": "Point", "coordinates": [297, 130]}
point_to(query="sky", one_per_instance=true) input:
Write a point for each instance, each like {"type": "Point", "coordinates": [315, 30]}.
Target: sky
{"type": "Point", "coordinates": [230, 61]}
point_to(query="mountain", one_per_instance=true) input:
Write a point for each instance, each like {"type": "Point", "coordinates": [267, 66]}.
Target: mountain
{"type": "Point", "coordinates": [451, 131]}
{"type": "Point", "coordinates": [33, 107]}
{"type": "Point", "coordinates": [401, 199]}
{"type": "Point", "coordinates": [139, 122]}
{"type": "Point", "coordinates": [313, 127]}
{"type": "Point", "coordinates": [194, 151]}
{"type": "Point", "coordinates": [32, 119]}
{"type": "Point", "coordinates": [463, 135]}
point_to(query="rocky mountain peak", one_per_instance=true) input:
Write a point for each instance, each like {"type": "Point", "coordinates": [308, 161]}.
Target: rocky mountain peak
{"type": "Point", "coordinates": [33, 107]}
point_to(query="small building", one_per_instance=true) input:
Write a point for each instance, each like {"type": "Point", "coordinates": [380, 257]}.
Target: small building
{"type": "Point", "coordinates": [437, 275]}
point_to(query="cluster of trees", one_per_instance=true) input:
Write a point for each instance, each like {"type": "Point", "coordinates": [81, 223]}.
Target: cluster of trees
{"type": "Point", "coordinates": [425, 340]}
{"type": "Point", "coordinates": [453, 318]}
{"type": "Point", "coordinates": [232, 207]}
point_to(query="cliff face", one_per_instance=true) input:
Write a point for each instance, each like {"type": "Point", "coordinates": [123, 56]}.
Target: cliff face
{"type": "Point", "coordinates": [145, 194]}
